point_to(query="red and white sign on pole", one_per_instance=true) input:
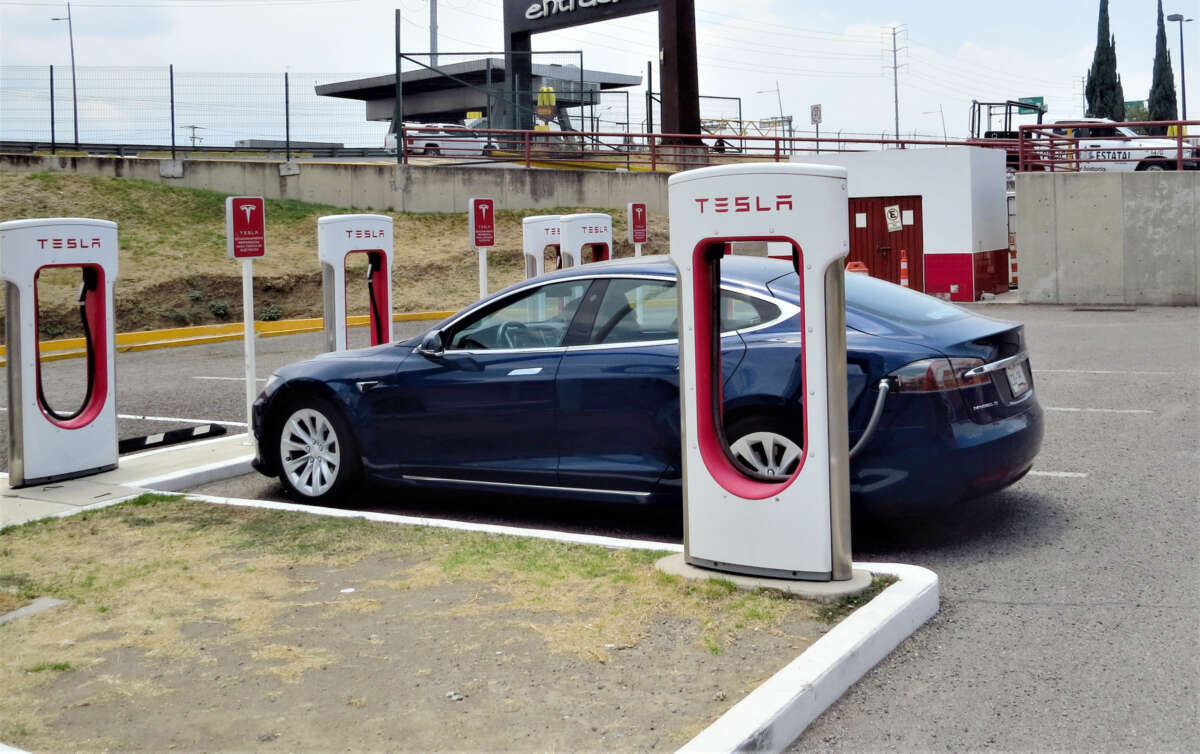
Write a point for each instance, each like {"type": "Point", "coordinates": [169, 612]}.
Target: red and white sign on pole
{"type": "Point", "coordinates": [482, 213]}
{"type": "Point", "coordinates": [245, 239]}
{"type": "Point", "coordinates": [245, 227]}
{"type": "Point", "coordinates": [635, 219]}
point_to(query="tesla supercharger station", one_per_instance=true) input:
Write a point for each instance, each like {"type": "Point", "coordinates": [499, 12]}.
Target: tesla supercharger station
{"type": "Point", "coordinates": [583, 231]}
{"type": "Point", "coordinates": [734, 519]}
{"type": "Point", "coordinates": [339, 236]}
{"type": "Point", "coordinates": [538, 232]}
{"type": "Point", "coordinates": [45, 444]}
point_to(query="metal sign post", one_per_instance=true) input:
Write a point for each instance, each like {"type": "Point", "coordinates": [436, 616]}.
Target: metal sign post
{"type": "Point", "coordinates": [796, 524]}
{"type": "Point", "coordinates": [245, 239]}
{"type": "Point", "coordinates": [482, 213]}
{"type": "Point", "coordinates": [635, 219]}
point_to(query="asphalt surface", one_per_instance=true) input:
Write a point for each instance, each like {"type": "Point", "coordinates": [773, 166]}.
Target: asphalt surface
{"type": "Point", "coordinates": [1070, 601]}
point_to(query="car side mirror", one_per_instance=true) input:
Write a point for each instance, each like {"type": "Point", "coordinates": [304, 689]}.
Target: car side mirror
{"type": "Point", "coordinates": [432, 344]}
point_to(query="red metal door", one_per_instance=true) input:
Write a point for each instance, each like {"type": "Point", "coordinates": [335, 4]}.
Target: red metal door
{"type": "Point", "coordinates": [873, 244]}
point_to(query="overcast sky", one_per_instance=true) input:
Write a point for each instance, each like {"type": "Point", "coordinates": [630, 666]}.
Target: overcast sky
{"type": "Point", "coordinates": [836, 54]}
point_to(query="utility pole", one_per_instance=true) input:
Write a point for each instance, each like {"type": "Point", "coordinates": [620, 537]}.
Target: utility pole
{"type": "Point", "coordinates": [896, 78]}
{"type": "Point", "coordinates": [195, 139]}
{"type": "Point", "coordinates": [433, 33]}
{"type": "Point", "coordinates": [74, 93]}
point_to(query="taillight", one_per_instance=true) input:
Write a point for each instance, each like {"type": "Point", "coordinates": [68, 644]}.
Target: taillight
{"type": "Point", "coordinates": [937, 375]}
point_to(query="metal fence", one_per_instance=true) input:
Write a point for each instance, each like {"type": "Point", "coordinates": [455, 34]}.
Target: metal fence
{"type": "Point", "coordinates": [1103, 147]}
{"type": "Point", "coordinates": [163, 106]}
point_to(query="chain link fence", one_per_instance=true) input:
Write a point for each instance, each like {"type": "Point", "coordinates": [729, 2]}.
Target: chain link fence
{"type": "Point", "coordinates": [128, 105]}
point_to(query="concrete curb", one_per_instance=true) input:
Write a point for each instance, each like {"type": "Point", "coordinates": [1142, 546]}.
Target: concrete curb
{"type": "Point", "coordinates": [194, 477]}
{"type": "Point", "coordinates": [779, 710]}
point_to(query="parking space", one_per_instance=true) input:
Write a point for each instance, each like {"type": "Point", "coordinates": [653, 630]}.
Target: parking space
{"type": "Point", "coordinates": [1069, 601]}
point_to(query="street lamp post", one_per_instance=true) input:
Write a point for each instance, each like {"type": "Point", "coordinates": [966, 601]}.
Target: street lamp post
{"type": "Point", "coordinates": [779, 98]}
{"type": "Point", "coordinates": [74, 92]}
{"type": "Point", "coordinates": [1182, 71]}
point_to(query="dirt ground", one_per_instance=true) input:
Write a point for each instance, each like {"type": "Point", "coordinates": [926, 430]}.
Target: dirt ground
{"type": "Point", "coordinates": [200, 627]}
{"type": "Point", "coordinates": [173, 270]}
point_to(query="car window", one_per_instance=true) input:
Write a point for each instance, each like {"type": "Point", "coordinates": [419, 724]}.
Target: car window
{"type": "Point", "coordinates": [636, 310]}
{"type": "Point", "coordinates": [894, 303]}
{"type": "Point", "coordinates": [646, 310]}
{"type": "Point", "coordinates": [535, 318]}
{"type": "Point", "coordinates": [739, 311]}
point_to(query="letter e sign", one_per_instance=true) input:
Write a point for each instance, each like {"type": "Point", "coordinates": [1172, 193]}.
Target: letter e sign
{"type": "Point", "coordinates": [892, 213]}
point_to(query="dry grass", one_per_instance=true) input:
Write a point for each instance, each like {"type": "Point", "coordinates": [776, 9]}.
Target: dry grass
{"type": "Point", "coordinates": [173, 269]}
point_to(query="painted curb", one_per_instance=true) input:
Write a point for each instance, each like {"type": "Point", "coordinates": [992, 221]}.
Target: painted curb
{"type": "Point", "coordinates": [194, 477]}
{"type": "Point", "coordinates": [777, 712]}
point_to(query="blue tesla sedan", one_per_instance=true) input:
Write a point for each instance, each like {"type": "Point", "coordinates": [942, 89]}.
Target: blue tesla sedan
{"type": "Point", "coordinates": [567, 385]}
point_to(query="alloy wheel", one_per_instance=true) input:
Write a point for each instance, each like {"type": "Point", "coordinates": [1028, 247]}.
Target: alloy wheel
{"type": "Point", "coordinates": [309, 452]}
{"type": "Point", "coordinates": [767, 453]}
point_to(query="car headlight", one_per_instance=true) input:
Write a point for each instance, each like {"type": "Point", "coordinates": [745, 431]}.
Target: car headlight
{"type": "Point", "coordinates": [272, 383]}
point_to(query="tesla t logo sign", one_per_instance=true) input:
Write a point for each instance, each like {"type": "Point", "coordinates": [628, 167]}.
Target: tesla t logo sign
{"type": "Point", "coordinates": [635, 215]}
{"type": "Point", "coordinates": [779, 203]}
{"type": "Point", "coordinates": [483, 222]}
{"type": "Point", "coordinates": [245, 227]}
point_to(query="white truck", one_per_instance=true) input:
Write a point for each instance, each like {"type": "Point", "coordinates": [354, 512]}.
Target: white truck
{"type": "Point", "coordinates": [1105, 146]}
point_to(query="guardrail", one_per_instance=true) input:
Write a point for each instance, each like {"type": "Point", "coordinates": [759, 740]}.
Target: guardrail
{"type": "Point", "coordinates": [635, 151]}
{"type": "Point", "coordinates": [1083, 146]}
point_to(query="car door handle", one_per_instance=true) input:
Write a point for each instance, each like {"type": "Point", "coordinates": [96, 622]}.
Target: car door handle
{"type": "Point", "coordinates": [366, 385]}
{"type": "Point", "coordinates": [525, 371]}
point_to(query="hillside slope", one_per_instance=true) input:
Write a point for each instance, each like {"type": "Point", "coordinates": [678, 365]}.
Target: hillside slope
{"type": "Point", "coordinates": [173, 269]}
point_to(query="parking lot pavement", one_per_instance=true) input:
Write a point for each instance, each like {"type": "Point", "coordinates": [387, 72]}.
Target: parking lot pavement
{"type": "Point", "coordinates": [1069, 601]}
{"type": "Point", "coordinates": [1070, 604]}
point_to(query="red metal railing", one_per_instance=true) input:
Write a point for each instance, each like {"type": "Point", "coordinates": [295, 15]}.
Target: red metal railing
{"type": "Point", "coordinates": [1107, 147]}
{"type": "Point", "coordinates": [639, 151]}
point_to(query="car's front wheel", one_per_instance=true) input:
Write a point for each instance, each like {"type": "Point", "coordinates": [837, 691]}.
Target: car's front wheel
{"type": "Point", "coordinates": [318, 461]}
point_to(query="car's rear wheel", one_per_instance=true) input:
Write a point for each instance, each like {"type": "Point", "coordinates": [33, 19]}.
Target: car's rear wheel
{"type": "Point", "coordinates": [433, 149]}
{"type": "Point", "coordinates": [1155, 165]}
{"type": "Point", "coordinates": [762, 446]}
{"type": "Point", "coordinates": [318, 460]}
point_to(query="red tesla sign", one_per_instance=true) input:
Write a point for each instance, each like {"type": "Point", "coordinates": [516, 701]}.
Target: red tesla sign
{"type": "Point", "coordinates": [245, 227]}
{"type": "Point", "coordinates": [636, 219]}
{"type": "Point", "coordinates": [483, 222]}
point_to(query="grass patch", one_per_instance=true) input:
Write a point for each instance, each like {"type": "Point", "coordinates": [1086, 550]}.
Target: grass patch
{"type": "Point", "coordinates": [834, 612]}
{"type": "Point", "coordinates": [57, 667]}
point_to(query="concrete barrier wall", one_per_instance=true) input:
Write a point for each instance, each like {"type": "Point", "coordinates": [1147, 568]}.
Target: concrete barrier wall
{"type": "Point", "coordinates": [377, 186]}
{"type": "Point", "coordinates": [1109, 238]}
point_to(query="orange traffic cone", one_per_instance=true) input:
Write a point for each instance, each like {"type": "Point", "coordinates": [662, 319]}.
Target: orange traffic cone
{"type": "Point", "coordinates": [904, 268]}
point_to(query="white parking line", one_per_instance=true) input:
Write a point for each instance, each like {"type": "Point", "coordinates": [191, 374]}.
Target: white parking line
{"type": "Point", "coordinates": [1099, 410]}
{"type": "Point", "coordinates": [172, 419]}
{"type": "Point", "coordinates": [1096, 371]}
{"type": "Point", "coordinates": [229, 379]}
{"type": "Point", "coordinates": [1059, 474]}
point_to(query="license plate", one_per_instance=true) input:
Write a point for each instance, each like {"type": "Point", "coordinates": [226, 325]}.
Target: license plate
{"type": "Point", "coordinates": [1017, 379]}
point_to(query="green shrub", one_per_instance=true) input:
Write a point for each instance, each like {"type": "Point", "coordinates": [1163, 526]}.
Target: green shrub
{"type": "Point", "coordinates": [219, 308]}
{"type": "Point", "coordinates": [270, 313]}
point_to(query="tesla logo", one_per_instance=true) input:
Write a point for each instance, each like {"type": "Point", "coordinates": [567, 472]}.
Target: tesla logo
{"type": "Point", "coordinates": [593, 229]}
{"type": "Point", "coordinates": [547, 8]}
{"type": "Point", "coordinates": [638, 211]}
{"type": "Point", "coordinates": [248, 209]}
{"type": "Point", "coordinates": [69, 243]}
{"type": "Point", "coordinates": [553, 231]}
{"type": "Point", "coordinates": [746, 203]}
{"type": "Point", "coordinates": [364, 233]}
{"type": "Point", "coordinates": [483, 210]}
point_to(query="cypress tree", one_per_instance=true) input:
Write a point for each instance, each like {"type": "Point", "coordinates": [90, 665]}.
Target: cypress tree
{"type": "Point", "coordinates": [1105, 98]}
{"type": "Point", "coordinates": [1162, 88]}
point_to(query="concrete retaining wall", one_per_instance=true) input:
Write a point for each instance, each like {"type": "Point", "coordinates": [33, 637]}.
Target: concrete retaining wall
{"type": "Point", "coordinates": [376, 186]}
{"type": "Point", "coordinates": [1111, 238]}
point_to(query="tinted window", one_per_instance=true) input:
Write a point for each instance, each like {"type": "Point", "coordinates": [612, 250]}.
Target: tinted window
{"type": "Point", "coordinates": [895, 303]}
{"type": "Point", "coordinates": [636, 310]}
{"type": "Point", "coordinates": [739, 311]}
{"type": "Point", "coordinates": [531, 319]}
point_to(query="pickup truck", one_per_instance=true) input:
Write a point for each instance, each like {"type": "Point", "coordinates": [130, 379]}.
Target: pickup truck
{"type": "Point", "coordinates": [1105, 146]}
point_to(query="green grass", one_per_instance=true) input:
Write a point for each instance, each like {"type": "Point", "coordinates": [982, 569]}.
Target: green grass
{"type": "Point", "coordinates": [834, 612]}
{"type": "Point", "coordinates": [57, 667]}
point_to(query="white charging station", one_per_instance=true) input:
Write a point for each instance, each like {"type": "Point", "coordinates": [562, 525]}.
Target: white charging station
{"type": "Point", "coordinates": [537, 233]}
{"type": "Point", "coordinates": [44, 444]}
{"type": "Point", "coordinates": [339, 236]}
{"type": "Point", "coordinates": [735, 520]}
{"type": "Point", "coordinates": [583, 231]}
